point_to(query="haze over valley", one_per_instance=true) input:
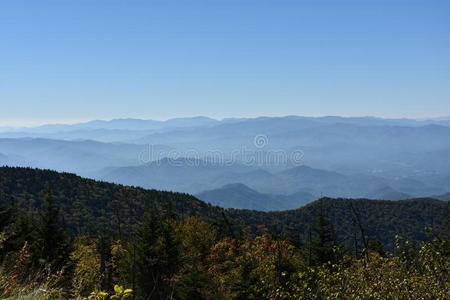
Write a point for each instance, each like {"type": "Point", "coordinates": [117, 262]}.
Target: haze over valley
{"type": "Point", "coordinates": [292, 160]}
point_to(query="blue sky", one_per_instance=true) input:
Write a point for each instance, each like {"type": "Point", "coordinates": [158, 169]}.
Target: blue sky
{"type": "Point", "coordinates": [73, 60]}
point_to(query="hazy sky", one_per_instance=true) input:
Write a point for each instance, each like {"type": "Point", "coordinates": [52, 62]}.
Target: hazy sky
{"type": "Point", "coordinates": [69, 60]}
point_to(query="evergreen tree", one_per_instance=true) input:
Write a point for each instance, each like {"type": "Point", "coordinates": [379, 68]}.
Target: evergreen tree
{"type": "Point", "coordinates": [52, 243]}
{"type": "Point", "coordinates": [323, 247]}
{"type": "Point", "coordinates": [155, 256]}
{"type": "Point", "coordinates": [23, 231]}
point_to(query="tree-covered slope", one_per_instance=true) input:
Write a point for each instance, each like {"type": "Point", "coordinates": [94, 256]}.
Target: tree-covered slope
{"type": "Point", "coordinates": [89, 204]}
{"type": "Point", "coordinates": [92, 205]}
{"type": "Point", "coordinates": [381, 220]}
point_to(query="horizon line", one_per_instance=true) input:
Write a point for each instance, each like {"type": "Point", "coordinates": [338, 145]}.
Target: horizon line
{"type": "Point", "coordinates": [14, 124]}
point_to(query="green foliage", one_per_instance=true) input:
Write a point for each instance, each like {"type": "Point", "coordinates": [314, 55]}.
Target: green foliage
{"type": "Point", "coordinates": [89, 206]}
{"type": "Point", "coordinates": [171, 246]}
{"type": "Point", "coordinates": [156, 254]}
{"type": "Point", "coordinates": [323, 248]}
{"type": "Point", "coordinates": [197, 239]}
{"type": "Point", "coordinates": [119, 294]}
{"type": "Point", "coordinates": [51, 241]}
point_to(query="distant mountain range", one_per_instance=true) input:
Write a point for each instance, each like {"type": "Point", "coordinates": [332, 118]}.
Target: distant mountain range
{"type": "Point", "coordinates": [141, 124]}
{"type": "Point", "coordinates": [138, 130]}
{"type": "Point", "coordinates": [83, 157]}
{"type": "Point", "coordinates": [120, 124]}
{"type": "Point", "coordinates": [116, 130]}
{"type": "Point", "coordinates": [330, 156]}
{"type": "Point", "coordinates": [195, 176]}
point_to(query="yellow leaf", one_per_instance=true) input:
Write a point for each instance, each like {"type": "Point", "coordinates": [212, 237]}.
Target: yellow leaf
{"type": "Point", "coordinates": [118, 289]}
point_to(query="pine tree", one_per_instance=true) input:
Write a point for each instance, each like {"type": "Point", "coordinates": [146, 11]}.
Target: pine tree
{"type": "Point", "coordinates": [23, 231]}
{"type": "Point", "coordinates": [51, 241]}
{"type": "Point", "coordinates": [155, 254]}
{"type": "Point", "coordinates": [323, 247]}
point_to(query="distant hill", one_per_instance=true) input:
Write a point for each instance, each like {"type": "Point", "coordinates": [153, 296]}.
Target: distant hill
{"type": "Point", "coordinates": [443, 197]}
{"type": "Point", "coordinates": [394, 196]}
{"type": "Point", "coordinates": [241, 196]}
{"type": "Point", "coordinates": [388, 193]}
{"type": "Point", "coordinates": [257, 179]}
{"type": "Point", "coordinates": [195, 175]}
{"type": "Point", "coordinates": [320, 181]}
{"type": "Point", "coordinates": [87, 205]}
{"type": "Point", "coordinates": [188, 175]}
{"type": "Point", "coordinates": [238, 196]}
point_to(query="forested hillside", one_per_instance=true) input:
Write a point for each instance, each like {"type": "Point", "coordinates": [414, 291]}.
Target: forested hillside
{"type": "Point", "coordinates": [87, 205]}
{"type": "Point", "coordinates": [66, 237]}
